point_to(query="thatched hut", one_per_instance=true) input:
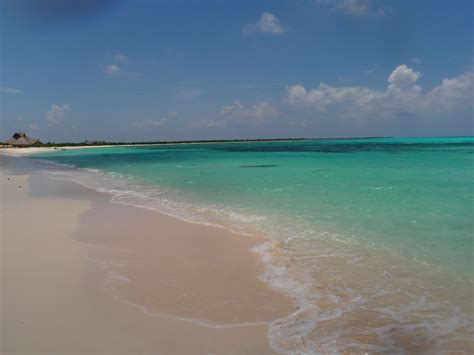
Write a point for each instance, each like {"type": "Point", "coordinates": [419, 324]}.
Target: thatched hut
{"type": "Point", "coordinates": [20, 139]}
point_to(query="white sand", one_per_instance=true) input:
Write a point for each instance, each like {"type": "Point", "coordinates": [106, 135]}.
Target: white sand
{"type": "Point", "coordinates": [55, 301]}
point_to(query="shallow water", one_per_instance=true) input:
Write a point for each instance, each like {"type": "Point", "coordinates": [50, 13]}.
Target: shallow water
{"type": "Point", "coordinates": [372, 238]}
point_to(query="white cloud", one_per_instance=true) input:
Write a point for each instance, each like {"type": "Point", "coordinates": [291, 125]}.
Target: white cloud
{"type": "Point", "coordinates": [236, 106]}
{"type": "Point", "coordinates": [354, 7]}
{"type": "Point", "coordinates": [118, 67]}
{"type": "Point", "coordinates": [403, 77]}
{"type": "Point", "coordinates": [5, 90]}
{"type": "Point", "coordinates": [416, 60]}
{"type": "Point", "coordinates": [452, 94]}
{"type": "Point", "coordinates": [56, 114]}
{"type": "Point", "coordinates": [401, 95]}
{"type": "Point", "coordinates": [111, 69]}
{"type": "Point", "coordinates": [326, 96]}
{"type": "Point", "coordinates": [268, 24]}
{"type": "Point", "coordinates": [256, 113]}
{"type": "Point", "coordinates": [236, 112]}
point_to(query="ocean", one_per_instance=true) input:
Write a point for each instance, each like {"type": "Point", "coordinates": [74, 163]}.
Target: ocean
{"type": "Point", "coordinates": [372, 238]}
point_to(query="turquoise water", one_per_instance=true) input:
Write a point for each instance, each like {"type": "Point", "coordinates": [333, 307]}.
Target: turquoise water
{"type": "Point", "coordinates": [371, 238]}
{"type": "Point", "coordinates": [410, 196]}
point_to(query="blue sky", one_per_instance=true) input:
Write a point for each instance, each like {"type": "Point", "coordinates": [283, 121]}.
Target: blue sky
{"type": "Point", "coordinates": [172, 70]}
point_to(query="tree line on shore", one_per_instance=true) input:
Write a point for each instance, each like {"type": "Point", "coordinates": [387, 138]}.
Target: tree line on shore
{"type": "Point", "coordinates": [102, 143]}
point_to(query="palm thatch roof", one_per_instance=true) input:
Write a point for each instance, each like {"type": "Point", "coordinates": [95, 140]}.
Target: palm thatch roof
{"type": "Point", "coordinates": [20, 139]}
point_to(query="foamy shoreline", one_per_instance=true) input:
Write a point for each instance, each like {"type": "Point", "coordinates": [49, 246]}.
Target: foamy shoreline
{"type": "Point", "coordinates": [100, 277]}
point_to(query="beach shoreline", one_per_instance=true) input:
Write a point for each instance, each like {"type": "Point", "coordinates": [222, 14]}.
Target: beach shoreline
{"type": "Point", "coordinates": [340, 296]}
{"type": "Point", "coordinates": [15, 152]}
{"type": "Point", "coordinates": [86, 279]}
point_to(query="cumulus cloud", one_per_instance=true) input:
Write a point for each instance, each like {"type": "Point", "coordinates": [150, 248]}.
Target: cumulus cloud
{"type": "Point", "coordinates": [5, 90]}
{"type": "Point", "coordinates": [111, 69]}
{"type": "Point", "coordinates": [403, 77]}
{"type": "Point", "coordinates": [402, 94]}
{"type": "Point", "coordinates": [257, 113]}
{"type": "Point", "coordinates": [267, 24]}
{"type": "Point", "coordinates": [452, 94]}
{"type": "Point", "coordinates": [56, 114]}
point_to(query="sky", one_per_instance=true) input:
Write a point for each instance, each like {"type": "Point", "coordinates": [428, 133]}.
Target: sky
{"type": "Point", "coordinates": [151, 70]}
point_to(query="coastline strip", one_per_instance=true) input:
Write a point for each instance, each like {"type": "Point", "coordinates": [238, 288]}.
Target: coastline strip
{"type": "Point", "coordinates": [56, 300]}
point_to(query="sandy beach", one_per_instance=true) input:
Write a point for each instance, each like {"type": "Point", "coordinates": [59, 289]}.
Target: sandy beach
{"type": "Point", "coordinates": [236, 177]}
{"type": "Point", "coordinates": [89, 265]}
{"type": "Point", "coordinates": [18, 152]}
{"type": "Point", "coordinates": [82, 275]}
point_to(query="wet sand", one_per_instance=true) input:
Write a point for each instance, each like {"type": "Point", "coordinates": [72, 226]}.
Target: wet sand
{"type": "Point", "coordinates": [82, 275]}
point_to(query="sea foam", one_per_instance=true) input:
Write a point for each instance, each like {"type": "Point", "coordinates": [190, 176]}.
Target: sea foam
{"type": "Point", "coordinates": [348, 297]}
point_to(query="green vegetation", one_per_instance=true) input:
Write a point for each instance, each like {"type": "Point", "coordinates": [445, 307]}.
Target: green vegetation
{"type": "Point", "coordinates": [101, 143]}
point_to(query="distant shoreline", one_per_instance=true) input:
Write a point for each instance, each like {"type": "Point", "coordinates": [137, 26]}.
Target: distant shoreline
{"type": "Point", "coordinates": [56, 146]}
{"type": "Point", "coordinates": [11, 150]}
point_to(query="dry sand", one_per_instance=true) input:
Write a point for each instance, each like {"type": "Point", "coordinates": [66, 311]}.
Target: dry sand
{"type": "Point", "coordinates": [81, 275]}
{"type": "Point", "coordinates": [13, 151]}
